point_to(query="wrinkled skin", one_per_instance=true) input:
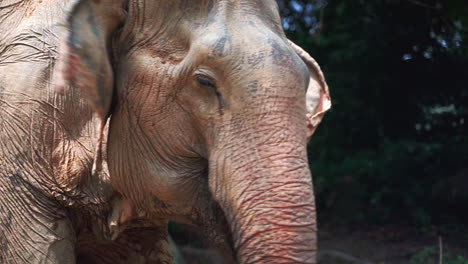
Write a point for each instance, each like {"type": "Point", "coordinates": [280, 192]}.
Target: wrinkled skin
{"type": "Point", "coordinates": [208, 109]}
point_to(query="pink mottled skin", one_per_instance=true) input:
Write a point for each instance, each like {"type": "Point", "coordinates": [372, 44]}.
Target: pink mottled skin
{"type": "Point", "coordinates": [207, 108]}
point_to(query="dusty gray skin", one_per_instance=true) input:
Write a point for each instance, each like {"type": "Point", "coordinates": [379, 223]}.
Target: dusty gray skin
{"type": "Point", "coordinates": [207, 124]}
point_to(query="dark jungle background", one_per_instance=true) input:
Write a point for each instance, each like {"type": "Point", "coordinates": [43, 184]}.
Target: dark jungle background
{"type": "Point", "coordinates": [390, 160]}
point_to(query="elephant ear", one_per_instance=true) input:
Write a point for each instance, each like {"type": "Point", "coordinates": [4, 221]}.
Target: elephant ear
{"type": "Point", "coordinates": [318, 97]}
{"type": "Point", "coordinates": [84, 51]}
{"type": "Point", "coordinates": [84, 60]}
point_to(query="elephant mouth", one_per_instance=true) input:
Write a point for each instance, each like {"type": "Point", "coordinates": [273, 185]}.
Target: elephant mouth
{"type": "Point", "coordinates": [206, 229]}
{"type": "Point", "coordinates": [192, 243]}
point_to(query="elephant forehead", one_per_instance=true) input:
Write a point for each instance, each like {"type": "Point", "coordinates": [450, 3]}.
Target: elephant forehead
{"type": "Point", "coordinates": [248, 45]}
{"type": "Point", "coordinates": [151, 19]}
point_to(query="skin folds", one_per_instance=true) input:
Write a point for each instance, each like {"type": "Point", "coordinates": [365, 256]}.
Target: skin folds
{"type": "Point", "coordinates": [120, 116]}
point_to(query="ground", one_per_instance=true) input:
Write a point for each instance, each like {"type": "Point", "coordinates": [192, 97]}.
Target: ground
{"type": "Point", "coordinates": [354, 244]}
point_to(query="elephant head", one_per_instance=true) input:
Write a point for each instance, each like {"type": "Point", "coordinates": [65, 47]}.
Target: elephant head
{"type": "Point", "coordinates": [210, 111]}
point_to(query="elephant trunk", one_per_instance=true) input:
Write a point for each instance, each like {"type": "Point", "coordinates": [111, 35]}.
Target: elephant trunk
{"type": "Point", "coordinates": [267, 196]}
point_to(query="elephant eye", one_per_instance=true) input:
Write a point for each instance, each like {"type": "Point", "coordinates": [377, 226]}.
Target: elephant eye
{"type": "Point", "coordinates": [205, 81]}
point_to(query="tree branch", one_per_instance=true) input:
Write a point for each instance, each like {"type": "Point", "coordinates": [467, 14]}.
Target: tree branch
{"type": "Point", "coordinates": [419, 3]}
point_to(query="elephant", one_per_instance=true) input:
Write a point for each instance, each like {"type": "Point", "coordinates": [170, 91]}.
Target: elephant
{"type": "Point", "coordinates": [118, 116]}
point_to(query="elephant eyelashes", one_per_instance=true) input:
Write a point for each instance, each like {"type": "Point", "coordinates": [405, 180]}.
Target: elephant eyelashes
{"type": "Point", "coordinates": [206, 82]}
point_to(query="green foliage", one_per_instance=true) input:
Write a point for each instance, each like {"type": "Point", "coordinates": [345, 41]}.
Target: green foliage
{"type": "Point", "coordinates": [394, 147]}
{"type": "Point", "coordinates": [430, 255]}
{"type": "Point", "coordinates": [425, 256]}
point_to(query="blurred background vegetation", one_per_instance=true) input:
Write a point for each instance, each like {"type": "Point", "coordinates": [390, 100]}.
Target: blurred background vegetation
{"type": "Point", "coordinates": [394, 147]}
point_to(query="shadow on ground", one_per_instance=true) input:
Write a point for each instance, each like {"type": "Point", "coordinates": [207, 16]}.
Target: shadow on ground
{"type": "Point", "coordinates": [366, 245]}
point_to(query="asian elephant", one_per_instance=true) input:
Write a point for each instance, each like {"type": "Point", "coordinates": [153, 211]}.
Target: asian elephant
{"type": "Point", "coordinates": [118, 116]}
